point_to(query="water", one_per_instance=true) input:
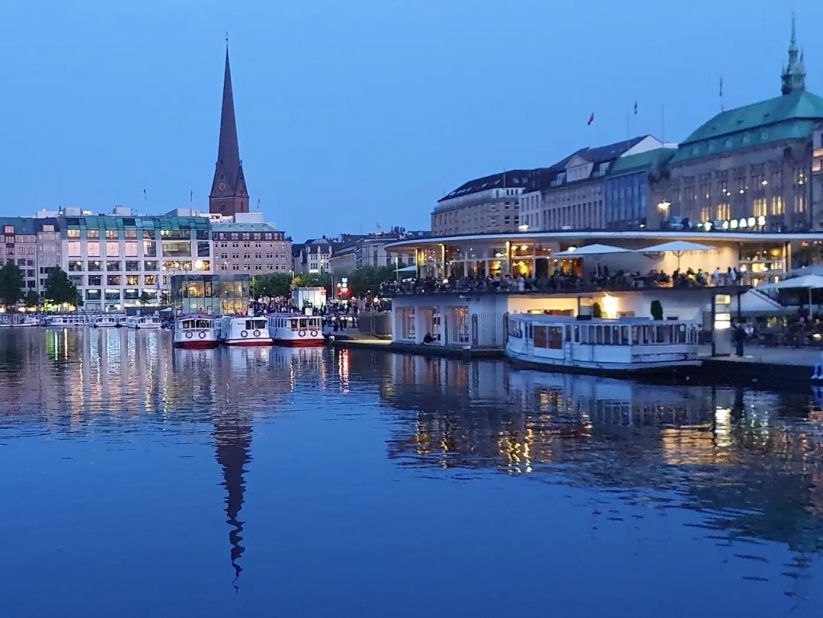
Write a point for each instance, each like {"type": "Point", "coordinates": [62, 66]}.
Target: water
{"type": "Point", "coordinates": [139, 480]}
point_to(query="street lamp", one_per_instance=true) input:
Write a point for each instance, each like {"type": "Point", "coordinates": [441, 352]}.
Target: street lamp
{"type": "Point", "coordinates": [663, 207]}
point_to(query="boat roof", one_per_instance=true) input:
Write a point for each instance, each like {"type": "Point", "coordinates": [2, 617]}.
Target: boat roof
{"type": "Point", "coordinates": [565, 319]}
{"type": "Point", "coordinates": [189, 316]}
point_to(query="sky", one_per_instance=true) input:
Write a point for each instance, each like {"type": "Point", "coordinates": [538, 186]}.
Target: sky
{"type": "Point", "coordinates": [357, 115]}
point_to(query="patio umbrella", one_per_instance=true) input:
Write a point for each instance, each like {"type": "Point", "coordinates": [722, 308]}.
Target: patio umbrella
{"type": "Point", "coordinates": [678, 247]}
{"type": "Point", "coordinates": [591, 250]}
{"type": "Point", "coordinates": [807, 282]}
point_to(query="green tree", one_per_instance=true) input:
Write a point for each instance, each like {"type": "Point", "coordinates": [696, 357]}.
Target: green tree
{"type": "Point", "coordinates": [314, 280]}
{"type": "Point", "coordinates": [271, 285]}
{"type": "Point", "coordinates": [32, 298]}
{"type": "Point", "coordinates": [656, 310]}
{"type": "Point", "coordinates": [145, 298]}
{"type": "Point", "coordinates": [60, 289]}
{"type": "Point", "coordinates": [367, 279]}
{"type": "Point", "coordinates": [11, 284]}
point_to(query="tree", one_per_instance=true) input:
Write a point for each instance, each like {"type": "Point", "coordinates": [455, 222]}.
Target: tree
{"type": "Point", "coordinates": [314, 280]}
{"type": "Point", "coordinates": [656, 310]}
{"type": "Point", "coordinates": [60, 289]}
{"type": "Point", "coordinates": [145, 298]}
{"type": "Point", "coordinates": [11, 284]}
{"type": "Point", "coordinates": [367, 279]}
{"type": "Point", "coordinates": [271, 285]}
{"type": "Point", "coordinates": [32, 298]}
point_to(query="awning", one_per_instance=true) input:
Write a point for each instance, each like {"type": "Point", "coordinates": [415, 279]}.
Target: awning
{"type": "Point", "coordinates": [677, 246]}
{"type": "Point", "coordinates": [811, 282]}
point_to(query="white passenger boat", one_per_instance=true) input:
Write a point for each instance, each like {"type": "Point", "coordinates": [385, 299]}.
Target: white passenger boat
{"type": "Point", "coordinates": [104, 321]}
{"type": "Point", "coordinates": [64, 321]}
{"type": "Point", "coordinates": [623, 345]}
{"type": "Point", "coordinates": [195, 331]}
{"type": "Point", "coordinates": [122, 321]}
{"type": "Point", "coordinates": [143, 321]}
{"type": "Point", "coordinates": [294, 329]}
{"type": "Point", "coordinates": [243, 330]}
{"type": "Point", "coordinates": [27, 321]}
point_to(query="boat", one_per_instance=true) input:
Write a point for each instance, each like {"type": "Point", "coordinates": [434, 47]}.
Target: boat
{"type": "Point", "coordinates": [294, 329]}
{"type": "Point", "coordinates": [104, 321]}
{"type": "Point", "coordinates": [143, 322]}
{"type": "Point", "coordinates": [619, 346]}
{"type": "Point", "coordinates": [195, 331]}
{"type": "Point", "coordinates": [63, 321]}
{"type": "Point", "coordinates": [27, 321]}
{"type": "Point", "coordinates": [243, 330]}
{"type": "Point", "coordinates": [122, 321]}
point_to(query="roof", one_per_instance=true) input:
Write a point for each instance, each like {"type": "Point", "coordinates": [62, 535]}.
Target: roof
{"type": "Point", "coordinates": [118, 222]}
{"type": "Point", "coordinates": [789, 116]}
{"type": "Point", "coordinates": [243, 227]}
{"type": "Point", "coordinates": [22, 225]}
{"type": "Point", "coordinates": [501, 180]}
{"type": "Point", "coordinates": [602, 154]}
{"type": "Point", "coordinates": [647, 160]}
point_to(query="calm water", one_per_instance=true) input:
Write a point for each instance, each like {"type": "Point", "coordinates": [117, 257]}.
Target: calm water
{"type": "Point", "coordinates": [137, 480]}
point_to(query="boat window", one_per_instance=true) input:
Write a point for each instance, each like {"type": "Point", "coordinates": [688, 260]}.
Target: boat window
{"type": "Point", "coordinates": [555, 337]}
{"type": "Point", "coordinates": [577, 334]}
{"type": "Point", "coordinates": [260, 323]}
{"type": "Point", "coordinates": [635, 335]}
{"type": "Point", "coordinates": [624, 335]}
{"type": "Point", "coordinates": [540, 337]}
{"type": "Point", "coordinates": [293, 324]}
{"type": "Point", "coordinates": [607, 336]}
{"type": "Point", "coordinates": [598, 334]}
{"type": "Point", "coordinates": [585, 334]}
{"type": "Point", "coordinates": [203, 324]}
{"type": "Point", "coordinates": [568, 333]}
{"type": "Point", "coordinates": [302, 324]}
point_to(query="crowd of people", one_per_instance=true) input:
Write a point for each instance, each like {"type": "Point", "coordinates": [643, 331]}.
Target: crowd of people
{"type": "Point", "coordinates": [337, 315]}
{"type": "Point", "coordinates": [601, 279]}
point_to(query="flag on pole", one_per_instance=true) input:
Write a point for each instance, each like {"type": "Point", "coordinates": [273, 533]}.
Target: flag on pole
{"type": "Point", "coordinates": [635, 108]}
{"type": "Point", "coordinates": [591, 119]}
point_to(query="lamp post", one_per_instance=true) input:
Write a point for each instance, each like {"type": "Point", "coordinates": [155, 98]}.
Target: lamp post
{"type": "Point", "coordinates": [663, 208]}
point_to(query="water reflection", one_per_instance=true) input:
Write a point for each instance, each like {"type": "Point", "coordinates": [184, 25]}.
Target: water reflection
{"type": "Point", "coordinates": [751, 460]}
{"type": "Point", "coordinates": [746, 464]}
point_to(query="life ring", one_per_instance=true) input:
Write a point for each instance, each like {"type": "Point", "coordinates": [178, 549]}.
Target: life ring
{"type": "Point", "coordinates": [202, 335]}
{"type": "Point", "coordinates": [244, 333]}
{"type": "Point", "coordinates": [188, 335]}
{"type": "Point", "coordinates": [314, 333]}
{"type": "Point", "coordinates": [302, 333]}
{"type": "Point", "coordinates": [256, 333]}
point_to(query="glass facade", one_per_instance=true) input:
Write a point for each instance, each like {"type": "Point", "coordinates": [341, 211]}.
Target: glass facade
{"type": "Point", "coordinates": [626, 201]}
{"type": "Point", "coordinates": [212, 294]}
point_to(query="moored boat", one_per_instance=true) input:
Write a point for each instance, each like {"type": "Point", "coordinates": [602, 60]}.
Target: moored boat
{"type": "Point", "coordinates": [104, 321]}
{"type": "Point", "coordinates": [143, 322]}
{"type": "Point", "coordinates": [243, 330]}
{"type": "Point", "coordinates": [195, 331]}
{"type": "Point", "coordinates": [622, 345]}
{"type": "Point", "coordinates": [294, 329]}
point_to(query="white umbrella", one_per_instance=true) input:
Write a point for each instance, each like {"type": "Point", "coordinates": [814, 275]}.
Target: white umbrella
{"type": "Point", "coordinates": [678, 247]}
{"type": "Point", "coordinates": [591, 250]}
{"type": "Point", "coordinates": [808, 282]}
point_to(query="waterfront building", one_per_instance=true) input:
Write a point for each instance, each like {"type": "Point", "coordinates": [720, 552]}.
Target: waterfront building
{"type": "Point", "coordinates": [229, 194]}
{"type": "Point", "coordinates": [487, 204]}
{"type": "Point", "coordinates": [248, 245]}
{"type": "Point", "coordinates": [466, 285]}
{"type": "Point", "coordinates": [33, 244]}
{"type": "Point", "coordinates": [570, 194]}
{"type": "Point", "coordinates": [223, 294]}
{"type": "Point", "coordinates": [357, 251]}
{"type": "Point", "coordinates": [748, 167]}
{"type": "Point", "coordinates": [118, 261]}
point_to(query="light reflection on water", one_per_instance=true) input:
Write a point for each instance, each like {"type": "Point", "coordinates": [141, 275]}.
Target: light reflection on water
{"type": "Point", "coordinates": [339, 470]}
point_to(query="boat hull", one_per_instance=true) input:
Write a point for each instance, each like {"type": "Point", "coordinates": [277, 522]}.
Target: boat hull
{"type": "Point", "coordinates": [196, 345]}
{"type": "Point", "coordinates": [299, 343]}
{"type": "Point", "coordinates": [610, 369]}
{"type": "Point", "coordinates": [247, 342]}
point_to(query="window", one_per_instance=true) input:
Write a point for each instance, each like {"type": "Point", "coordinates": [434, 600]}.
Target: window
{"type": "Point", "coordinates": [94, 265]}
{"type": "Point", "coordinates": [93, 234]}
{"type": "Point", "coordinates": [150, 279]}
{"type": "Point", "coordinates": [92, 294]}
{"type": "Point", "coordinates": [150, 264]}
{"type": "Point", "coordinates": [113, 265]}
{"type": "Point", "coordinates": [93, 249]}
{"type": "Point", "coordinates": [131, 234]}
{"type": "Point", "coordinates": [112, 294]}
{"type": "Point", "coordinates": [95, 280]}
{"type": "Point", "coordinates": [112, 248]}
{"type": "Point", "coordinates": [113, 279]}
{"type": "Point", "coordinates": [75, 266]}
{"type": "Point", "coordinates": [70, 233]}
{"type": "Point", "coordinates": [177, 248]}
{"type": "Point", "coordinates": [74, 248]}
{"type": "Point", "coordinates": [203, 249]}
{"type": "Point", "coordinates": [111, 233]}
{"type": "Point", "coordinates": [9, 229]}
{"type": "Point", "coordinates": [132, 279]}
{"type": "Point", "coordinates": [131, 249]}
{"type": "Point", "coordinates": [133, 265]}
{"type": "Point", "coordinates": [149, 248]}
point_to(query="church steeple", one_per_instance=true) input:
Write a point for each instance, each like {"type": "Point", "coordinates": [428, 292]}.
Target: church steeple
{"type": "Point", "coordinates": [794, 73]}
{"type": "Point", "coordinates": [228, 188]}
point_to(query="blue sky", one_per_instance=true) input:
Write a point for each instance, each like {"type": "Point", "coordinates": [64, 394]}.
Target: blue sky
{"type": "Point", "coordinates": [360, 112]}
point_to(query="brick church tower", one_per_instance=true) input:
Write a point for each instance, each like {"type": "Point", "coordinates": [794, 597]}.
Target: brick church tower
{"type": "Point", "coordinates": [228, 189]}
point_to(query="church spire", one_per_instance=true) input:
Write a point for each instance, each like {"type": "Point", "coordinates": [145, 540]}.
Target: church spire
{"type": "Point", "coordinates": [794, 73]}
{"type": "Point", "coordinates": [228, 191]}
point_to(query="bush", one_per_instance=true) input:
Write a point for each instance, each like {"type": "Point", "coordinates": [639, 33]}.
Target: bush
{"type": "Point", "coordinates": [656, 310]}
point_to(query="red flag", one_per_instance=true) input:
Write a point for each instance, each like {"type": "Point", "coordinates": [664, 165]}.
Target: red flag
{"type": "Point", "coordinates": [591, 119]}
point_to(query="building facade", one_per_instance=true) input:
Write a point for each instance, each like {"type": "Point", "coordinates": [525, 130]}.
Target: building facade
{"type": "Point", "coordinates": [33, 244]}
{"type": "Point", "coordinates": [229, 194]}
{"type": "Point", "coordinates": [312, 256]}
{"type": "Point", "coordinates": [570, 194]}
{"type": "Point", "coordinates": [487, 204]}
{"type": "Point", "coordinates": [748, 167]}
{"type": "Point", "coordinates": [250, 247]}
{"type": "Point", "coordinates": [628, 188]}
{"type": "Point", "coordinates": [117, 261]}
